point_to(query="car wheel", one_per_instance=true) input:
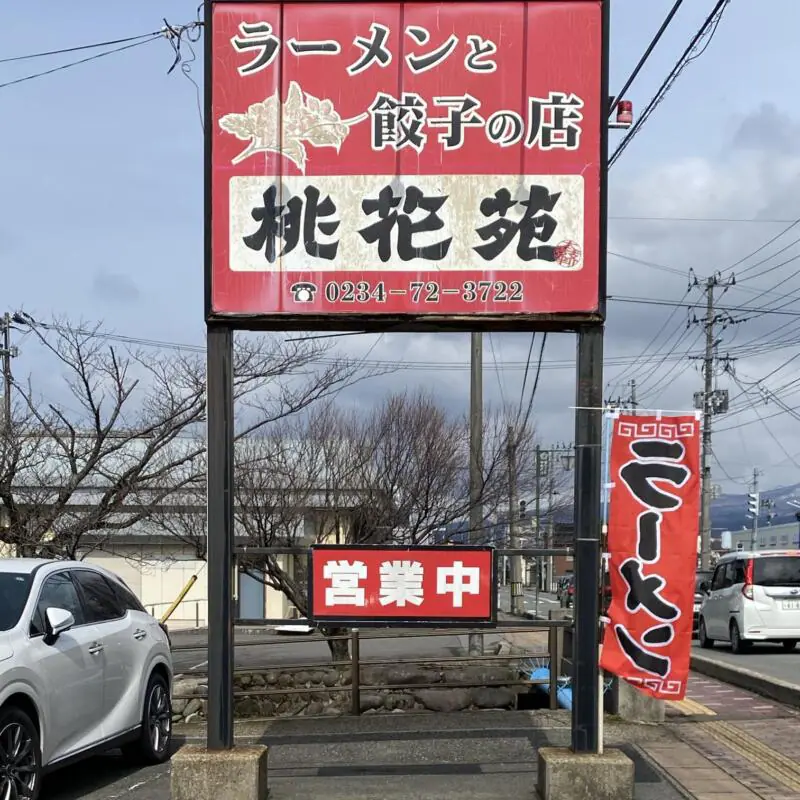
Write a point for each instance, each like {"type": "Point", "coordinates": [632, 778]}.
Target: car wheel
{"type": "Point", "coordinates": [789, 645]}
{"type": "Point", "coordinates": [155, 738]}
{"type": "Point", "coordinates": [738, 645]}
{"type": "Point", "coordinates": [702, 636]}
{"type": "Point", "coordinates": [20, 755]}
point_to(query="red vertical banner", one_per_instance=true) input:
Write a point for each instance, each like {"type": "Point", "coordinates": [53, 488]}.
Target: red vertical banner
{"type": "Point", "coordinates": [652, 541]}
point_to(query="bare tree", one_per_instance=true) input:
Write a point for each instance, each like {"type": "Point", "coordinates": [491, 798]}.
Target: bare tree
{"type": "Point", "coordinates": [127, 444]}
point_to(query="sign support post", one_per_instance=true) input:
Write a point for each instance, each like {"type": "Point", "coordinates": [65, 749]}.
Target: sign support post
{"type": "Point", "coordinates": [220, 536]}
{"type": "Point", "coordinates": [588, 471]}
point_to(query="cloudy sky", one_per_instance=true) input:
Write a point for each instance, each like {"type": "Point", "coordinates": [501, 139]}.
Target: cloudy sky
{"type": "Point", "coordinates": [101, 216]}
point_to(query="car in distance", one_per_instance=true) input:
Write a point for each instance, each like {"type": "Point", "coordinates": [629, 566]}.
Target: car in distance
{"type": "Point", "coordinates": [752, 597]}
{"type": "Point", "coordinates": [83, 669]}
{"type": "Point", "coordinates": [702, 577]}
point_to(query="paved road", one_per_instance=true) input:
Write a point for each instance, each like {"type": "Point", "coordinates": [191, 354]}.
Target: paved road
{"type": "Point", "coordinates": [269, 649]}
{"type": "Point", "coordinates": [465, 756]}
{"type": "Point", "coordinates": [767, 659]}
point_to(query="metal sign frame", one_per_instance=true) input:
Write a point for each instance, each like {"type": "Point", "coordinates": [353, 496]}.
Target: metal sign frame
{"type": "Point", "coordinates": [407, 320]}
{"type": "Point", "coordinates": [398, 621]}
{"type": "Point", "coordinates": [588, 431]}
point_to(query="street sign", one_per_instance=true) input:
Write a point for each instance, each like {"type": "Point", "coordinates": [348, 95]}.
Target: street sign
{"type": "Point", "coordinates": [395, 585]}
{"type": "Point", "coordinates": [385, 161]}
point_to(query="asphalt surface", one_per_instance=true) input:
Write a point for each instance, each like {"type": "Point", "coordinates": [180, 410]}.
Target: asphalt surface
{"type": "Point", "coordinates": [464, 756]}
{"type": "Point", "coordinates": [266, 649]}
{"type": "Point", "coordinates": [766, 659]}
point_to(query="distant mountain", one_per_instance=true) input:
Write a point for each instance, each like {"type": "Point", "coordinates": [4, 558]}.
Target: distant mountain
{"type": "Point", "coordinates": [729, 511]}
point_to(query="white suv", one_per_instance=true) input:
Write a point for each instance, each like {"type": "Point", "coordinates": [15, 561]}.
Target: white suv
{"type": "Point", "coordinates": [752, 597]}
{"type": "Point", "coordinates": [83, 668]}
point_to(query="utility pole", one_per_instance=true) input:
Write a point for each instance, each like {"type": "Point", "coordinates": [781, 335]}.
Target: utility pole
{"type": "Point", "coordinates": [710, 402]}
{"type": "Point", "coordinates": [7, 352]}
{"type": "Point", "coordinates": [517, 597]}
{"type": "Point", "coordinates": [551, 525]}
{"type": "Point", "coordinates": [634, 404]}
{"type": "Point", "coordinates": [539, 538]}
{"type": "Point", "coordinates": [475, 644]}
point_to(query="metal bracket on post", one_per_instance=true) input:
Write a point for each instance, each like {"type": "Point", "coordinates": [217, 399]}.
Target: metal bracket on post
{"type": "Point", "coordinates": [219, 379]}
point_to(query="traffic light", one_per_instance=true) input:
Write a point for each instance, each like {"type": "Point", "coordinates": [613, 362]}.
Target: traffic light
{"type": "Point", "coordinates": [753, 503]}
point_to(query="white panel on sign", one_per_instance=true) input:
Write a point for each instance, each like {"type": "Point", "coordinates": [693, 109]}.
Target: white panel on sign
{"type": "Point", "coordinates": [378, 223]}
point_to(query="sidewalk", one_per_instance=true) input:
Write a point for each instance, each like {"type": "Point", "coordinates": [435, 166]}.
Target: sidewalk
{"type": "Point", "coordinates": [700, 752]}
{"type": "Point", "coordinates": [717, 754]}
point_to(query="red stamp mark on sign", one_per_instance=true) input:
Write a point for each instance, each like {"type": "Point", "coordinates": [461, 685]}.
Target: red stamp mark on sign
{"type": "Point", "coordinates": [395, 584]}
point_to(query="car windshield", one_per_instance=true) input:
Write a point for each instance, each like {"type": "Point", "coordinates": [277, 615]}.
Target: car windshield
{"type": "Point", "coordinates": [776, 571]}
{"type": "Point", "coordinates": [14, 590]}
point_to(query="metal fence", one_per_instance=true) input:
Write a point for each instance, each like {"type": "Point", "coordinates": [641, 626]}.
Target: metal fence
{"type": "Point", "coordinates": [553, 655]}
{"type": "Point", "coordinates": [555, 625]}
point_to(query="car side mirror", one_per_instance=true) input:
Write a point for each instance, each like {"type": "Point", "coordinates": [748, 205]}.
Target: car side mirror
{"type": "Point", "coordinates": [705, 588]}
{"type": "Point", "coordinates": [57, 621]}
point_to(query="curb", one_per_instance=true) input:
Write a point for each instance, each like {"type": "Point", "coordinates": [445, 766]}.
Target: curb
{"type": "Point", "coordinates": [772, 688]}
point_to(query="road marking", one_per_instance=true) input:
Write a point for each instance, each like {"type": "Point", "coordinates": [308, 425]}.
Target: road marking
{"type": "Point", "coordinates": [762, 708]}
{"type": "Point", "coordinates": [769, 761]}
{"type": "Point", "coordinates": [199, 666]}
{"type": "Point", "coordinates": [691, 708]}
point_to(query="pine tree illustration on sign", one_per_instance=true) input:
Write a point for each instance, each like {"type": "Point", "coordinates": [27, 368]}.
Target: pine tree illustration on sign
{"type": "Point", "coordinates": [307, 120]}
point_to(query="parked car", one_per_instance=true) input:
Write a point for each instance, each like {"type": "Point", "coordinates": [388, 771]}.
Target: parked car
{"type": "Point", "coordinates": [702, 576]}
{"type": "Point", "coordinates": [83, 669]}
{"type": "Point", "coordinates": [752, 597]}
{"type": "Point", "coordinates": [298, 628]}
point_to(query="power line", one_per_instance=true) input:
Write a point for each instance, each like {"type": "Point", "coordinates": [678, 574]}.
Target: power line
{"type": "Point", "coordinates": [76, 63]}
{"type": "Point", "coordinates": [170, 33]}
{"type": "Point", "coordinates": [643, 60]}
{"type": "Point", "coordinates": [701, 219]}
{"type": "Point", "coordinates": [709, 27]}
{"type": "Point", "coordinates": [535, 382]}
{"type": "Point", "coordinates": [82, 47]}
{"type": "Point", "coordinates": [671, 303]}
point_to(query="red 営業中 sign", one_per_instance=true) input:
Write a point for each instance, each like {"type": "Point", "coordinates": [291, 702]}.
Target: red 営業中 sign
{"type": "Point", "coordinates": [652, 541]}
{"type": "Point", "coordinates": [387, 159]}
{"type": "Point", "coordinates": [398, 585]}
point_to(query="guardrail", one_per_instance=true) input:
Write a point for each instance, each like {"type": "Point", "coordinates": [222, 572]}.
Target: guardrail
{"type": "Point", "coordinates": [175, 621]}
{"type": "Point", "coordinates": [553, 654]}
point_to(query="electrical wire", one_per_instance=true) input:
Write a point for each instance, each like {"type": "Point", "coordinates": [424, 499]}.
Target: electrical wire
{"type": "Point", "coordinates": [708, 28]}
{"type": "Point", "coordinates": [80, 48]}
{"type": "Point", "coordinates": [80, 61]}
{"type": "Point", "coordinates": [525, 376]}
{"type": "Point", "coordinates": [535, 382]}
{"type": "Point", "coordinates": [645, 56]}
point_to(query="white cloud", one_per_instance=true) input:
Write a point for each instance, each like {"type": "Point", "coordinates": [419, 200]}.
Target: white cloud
{"type": "Point", "coordinates": [752, 178]}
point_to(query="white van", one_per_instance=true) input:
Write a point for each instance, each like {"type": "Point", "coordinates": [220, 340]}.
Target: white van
{"type": "Point", "coordinates": [752, 597]}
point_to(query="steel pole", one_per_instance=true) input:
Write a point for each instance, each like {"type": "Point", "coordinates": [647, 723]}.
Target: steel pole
{"type": "Point", "coordinates": [219, 380]}
{"type": "Point", "coordinates": [475, 643]}
{"type": "Point", "coordinates": [588, 475]}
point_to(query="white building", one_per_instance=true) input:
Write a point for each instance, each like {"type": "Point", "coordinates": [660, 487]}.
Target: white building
{"type": "Point", "coordinates": [158, 564]}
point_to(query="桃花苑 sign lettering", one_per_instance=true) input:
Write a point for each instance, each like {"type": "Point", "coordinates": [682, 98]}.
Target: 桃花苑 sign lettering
{"type": "Point", "coordinates": [388, 583]}
{"type": "Point", "coordinates": [652, 541]}
{"type": "Point", "coordinates": [345, 144]}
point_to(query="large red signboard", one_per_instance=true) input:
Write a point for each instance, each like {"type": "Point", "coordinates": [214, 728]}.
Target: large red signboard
{"type": "Point", "coordinates": [378, 159]}
{"type": "Point", "coordinates": [397, 585]}
{"type": "Point", "coordinates": [652, 540]}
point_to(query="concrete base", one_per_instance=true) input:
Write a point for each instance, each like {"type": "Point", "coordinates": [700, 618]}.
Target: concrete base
{"type": "Point", "coordinates": [237, 774]}
{"type": "Point", "coordinates": [564, 775]}
{"type": "Point", "coordinates": [636, 706]}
